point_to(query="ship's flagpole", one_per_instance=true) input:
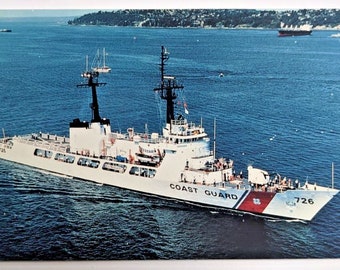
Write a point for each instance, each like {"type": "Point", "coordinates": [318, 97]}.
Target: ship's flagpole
{"type": "Point", "coordinates": [214, 138]}
{"type": "Point", "coordinates": [332, 175]}
{"type": "Point", "coordinates": [87, 63]}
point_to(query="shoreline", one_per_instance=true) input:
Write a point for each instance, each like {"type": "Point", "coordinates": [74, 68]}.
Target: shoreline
{"type": "Point", "coordinates": [12, 19]}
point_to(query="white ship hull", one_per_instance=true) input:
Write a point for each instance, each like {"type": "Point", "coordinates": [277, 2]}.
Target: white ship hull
{"type": "Point", "coordinates": [302, 204]}
{"type": "Point", "coordinates": [177, 164]}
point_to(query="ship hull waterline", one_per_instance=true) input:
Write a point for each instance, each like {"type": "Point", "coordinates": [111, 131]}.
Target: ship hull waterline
{"type": "Point", "coordinates": [291, 204]}
{"type": "Point", "coordinates": [287, 33]}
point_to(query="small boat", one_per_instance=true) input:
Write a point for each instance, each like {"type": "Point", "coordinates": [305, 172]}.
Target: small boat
{"type": "Point", "coordinates": [5, 30]}
{"type": "Point", "coordinates": [337, 35]}
{"type": "Point", "coordinates": [98, 61]}
{"type": "Point", "coordinates": [303, 30]}
{"type": "Point", "coordinates": [147, 159]}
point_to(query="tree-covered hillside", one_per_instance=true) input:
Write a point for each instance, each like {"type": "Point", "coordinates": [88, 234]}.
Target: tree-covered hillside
{"type": "Point", "coordinates": [230, 18]}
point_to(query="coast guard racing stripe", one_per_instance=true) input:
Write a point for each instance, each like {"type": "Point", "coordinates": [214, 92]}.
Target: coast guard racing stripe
{"type": "Point", "coordinates": [256, 201]}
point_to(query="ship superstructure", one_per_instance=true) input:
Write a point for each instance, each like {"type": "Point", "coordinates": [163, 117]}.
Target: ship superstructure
{"type": "Point", "coordinates": [177, 164]}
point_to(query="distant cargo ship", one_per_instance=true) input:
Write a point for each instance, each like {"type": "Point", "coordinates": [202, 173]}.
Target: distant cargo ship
{"type": "Point", "coordinates": [5, 30]}
{"type": "Point", "coordinates": [303, 30]}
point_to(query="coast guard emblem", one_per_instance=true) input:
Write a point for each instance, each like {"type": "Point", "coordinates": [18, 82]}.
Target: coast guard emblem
{"type": "Point", "coordinates": [256, 201]}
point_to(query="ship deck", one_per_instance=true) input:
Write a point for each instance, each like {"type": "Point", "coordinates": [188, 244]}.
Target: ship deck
{"type": "Point", "coordinates": [62, 144]}
{"type": "Point", "coordinates": [45, 140]}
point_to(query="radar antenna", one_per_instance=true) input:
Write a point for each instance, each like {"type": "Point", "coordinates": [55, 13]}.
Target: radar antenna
{"type": "Point", "coordinates": [167, 87]}
{"type": "Point", "coordinates": [92, 81]}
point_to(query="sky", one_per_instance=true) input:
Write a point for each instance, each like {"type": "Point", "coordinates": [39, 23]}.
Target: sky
{"type": "Point", "coordinates": [37, 8]}
{"type": "Point", "coordinates": [153, 4]}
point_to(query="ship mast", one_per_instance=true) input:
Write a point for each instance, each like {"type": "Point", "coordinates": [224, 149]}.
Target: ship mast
{"type": "Point", "coordinates": [92, 82]}
{"type": "Point", "coordinates": [167, 87]}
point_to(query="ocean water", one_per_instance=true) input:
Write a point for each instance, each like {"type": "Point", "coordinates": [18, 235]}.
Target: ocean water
{"type": "Point", "coordinates": [277, 108]}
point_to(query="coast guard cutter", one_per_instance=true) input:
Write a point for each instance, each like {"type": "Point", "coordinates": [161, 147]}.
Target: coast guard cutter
{"type": "Point", "coordinates": [176, 164]}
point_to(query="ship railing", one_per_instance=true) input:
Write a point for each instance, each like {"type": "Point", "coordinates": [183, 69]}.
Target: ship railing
{"type": "Point", "coordinates": [57, 144]}
{"type": "Point", "coordinates": [181, 122]}
{"type": "Point", "coordinates": [141, 137]}
{"type": "Point", "coordinates": [50, 137]}
{"type": "Point", "coordinates": [239, 183]}
{"type": "Point", "coordinates": [187, 129]}
{"type": "Point", "coordinates": [223, 185]}
{"type": "Point", "coordinates": [184, 122]}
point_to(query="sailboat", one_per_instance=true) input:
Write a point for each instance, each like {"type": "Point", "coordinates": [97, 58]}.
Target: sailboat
{"type": "Point", "coordinates": [104, 68]}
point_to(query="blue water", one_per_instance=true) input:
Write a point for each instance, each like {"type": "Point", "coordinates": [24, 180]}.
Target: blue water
{"type": "Point", "coordinates": [277, 107]}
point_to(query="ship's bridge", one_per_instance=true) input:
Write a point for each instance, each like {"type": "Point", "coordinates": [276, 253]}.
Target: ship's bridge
{"type": "Point", "coordinates": [180, 132]}
{"type": "Point", "coordinates": [181, 127]}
